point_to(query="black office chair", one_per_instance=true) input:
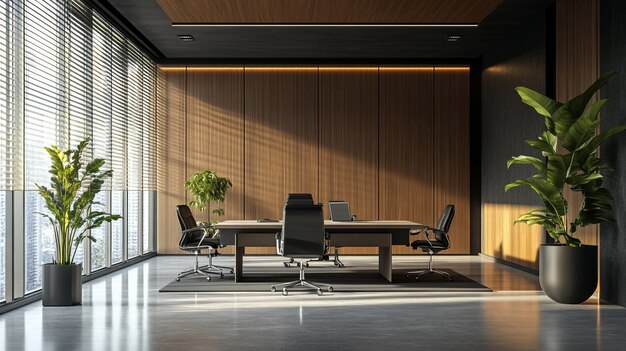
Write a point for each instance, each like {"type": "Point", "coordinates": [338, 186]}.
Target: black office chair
{"type": "Point", "coordinates": [196, 238]}
{"type": "Point", "coordinates": [303, 238]}
{"type": "Point", "coordinates": [297, 199]}
{"type": "Point", "coordinates": [439, 241]}
{"type": "Point", "coordinates": [307, 199]}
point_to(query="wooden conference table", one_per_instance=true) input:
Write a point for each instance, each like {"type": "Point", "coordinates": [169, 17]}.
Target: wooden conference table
{"type": "Point", "coordinates": [381, 234]}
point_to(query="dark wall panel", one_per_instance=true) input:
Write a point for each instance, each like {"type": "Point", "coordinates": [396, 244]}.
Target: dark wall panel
{"type": "Point", "coordinates": [613, 235]}
{"type": "Point", "coordinates": [506, 124]}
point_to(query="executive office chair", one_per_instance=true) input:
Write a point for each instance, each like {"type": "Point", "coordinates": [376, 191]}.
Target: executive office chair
{"type": "Point", "coordinates": [307, 199]}
{"type": "Point", "coordinates": [439, 241]}
{"type": "Point", "coordinates": [196, 238]}
{"type": "Point", "coordinates": [297, 199]}
{"type": "Point", "coordinates": [302, 238]}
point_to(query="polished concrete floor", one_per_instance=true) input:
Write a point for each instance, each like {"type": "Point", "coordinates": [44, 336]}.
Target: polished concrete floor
{"type": "Point", "coordinates": [124, 311]}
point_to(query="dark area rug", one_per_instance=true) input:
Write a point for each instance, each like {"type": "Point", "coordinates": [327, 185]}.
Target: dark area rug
{"type": "Point", "coordinates": [342, 279]}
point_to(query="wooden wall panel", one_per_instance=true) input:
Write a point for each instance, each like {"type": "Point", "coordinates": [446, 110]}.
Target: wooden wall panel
{"type": "Point", "coordinates": [215, 130]}
{"type": "Point", "coordinates": [281, 142]}
{"type": "Point", "coordinates": [406, 147]}
{"type": "Point", "coordinates": [576, 69]}
{"type": "Point", "coordinates": [349, 141]}
{"type": "Point", "coordinates": [170, 157]}
{"type": "Point", "coordinates": [451, 152]}
{"type": "Point", "coordinates": [280, 130]}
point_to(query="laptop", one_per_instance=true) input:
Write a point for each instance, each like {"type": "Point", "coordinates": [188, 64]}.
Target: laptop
{"type": "Point", "coordinates": [340, 211]}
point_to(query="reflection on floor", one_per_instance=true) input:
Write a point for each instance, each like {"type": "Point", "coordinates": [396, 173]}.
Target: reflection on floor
{"type": "Point", "coordinates": [124, 311]}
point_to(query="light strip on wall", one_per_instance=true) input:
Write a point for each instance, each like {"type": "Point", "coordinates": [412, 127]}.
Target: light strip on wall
{"type": "Point", "coordinates": [427, 25]}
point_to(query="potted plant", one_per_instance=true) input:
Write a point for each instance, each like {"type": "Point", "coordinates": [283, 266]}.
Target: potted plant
{"type": "Point", "coordinates": [69, 200]}
{"type": "Point", "coordinates": [207, 187]}
{"type": "Point", "coordinates": [569, 145]}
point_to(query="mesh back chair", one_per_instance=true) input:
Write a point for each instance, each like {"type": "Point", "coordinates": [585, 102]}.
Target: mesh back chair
{"type": "Point", "coordinates": [435, 240]}
{"type": "Point", "coordinates": [194, 239]}
{"type": "Point", "coordinates": [303, 238]}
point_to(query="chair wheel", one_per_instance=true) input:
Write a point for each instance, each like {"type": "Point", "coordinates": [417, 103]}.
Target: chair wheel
{"type": "Point", "coordinates": [208, 279]}
{"type": "Point", "coordinates": [298, 264]}
{"type": "Point", "coordinates": [319, 292]}
{"type": "Point", "coordinates": [221, 275]}
{"type": "Point", "coordinates": [449, 279]}
{"type": "Point", "coordinates": [232, 271]}
{"type": "Point", "coordinates": [330, 289]}
{"type": "Point", "coordinates": [177, 279]}
{"type": "Point", "coordinates": [286, 264]}
{"type": "Point", "coordinates": [273, 289]}
{"type": "Point", "coordinates": [285, 293]}
{"type": "Point", "coordinates": [306, 265]}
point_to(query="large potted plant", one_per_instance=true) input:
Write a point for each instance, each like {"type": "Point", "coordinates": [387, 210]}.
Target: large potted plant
{"type": "Point", "coordinates": [569, 145]}
{"type": "Point", "coordinates": [69, 200]}
{"type": "Point", "coordinates": [206, 188]}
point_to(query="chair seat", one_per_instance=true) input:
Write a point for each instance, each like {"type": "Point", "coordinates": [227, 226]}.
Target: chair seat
{"type": "Point", "coordinates": [192, 245]}
{"type": "Point", "coordinates": [433, 244]}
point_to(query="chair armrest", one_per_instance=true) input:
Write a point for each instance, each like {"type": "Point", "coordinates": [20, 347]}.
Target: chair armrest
{"type": "Point", "coordinates": [279, 240]}
{"type": "Point", "coordinates": [427, 230]}
{"type": "Point", "coordinates": [186, 232]}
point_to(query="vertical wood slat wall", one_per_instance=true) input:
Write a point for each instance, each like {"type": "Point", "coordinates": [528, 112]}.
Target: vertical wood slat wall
{"type": "Point", "coordinates": [379, 137]}
{"type": "Point", "coordinates": [577, 62]}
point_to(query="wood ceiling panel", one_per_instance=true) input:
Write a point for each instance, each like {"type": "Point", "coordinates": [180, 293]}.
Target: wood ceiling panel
{"type": "Point", "coordinates": [328, 11]}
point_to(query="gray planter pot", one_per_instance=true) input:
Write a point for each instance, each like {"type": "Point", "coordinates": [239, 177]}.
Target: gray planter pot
{"type": "Point", "coordinates": [568, 274]}
{"type": "Point", "coordinates": [62, 284]}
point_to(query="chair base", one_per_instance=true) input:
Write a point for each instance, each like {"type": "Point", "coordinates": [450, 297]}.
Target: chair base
{"type": "Point", "coordinates": [430, 269]}
{"type": "Point", "coordinates": [205, 270]}
{"type": "Point", "coordinates": [302, 282]}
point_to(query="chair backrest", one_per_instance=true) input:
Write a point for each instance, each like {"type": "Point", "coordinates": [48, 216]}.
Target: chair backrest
{"type": "Point", "coordinates": [299, 199]}
{"type": "Point", "coordinates": [445, 221]}
{"type": "Point", "coordinates": [303, 231]}
{"type": "Point", "coordinates": [185, 217]}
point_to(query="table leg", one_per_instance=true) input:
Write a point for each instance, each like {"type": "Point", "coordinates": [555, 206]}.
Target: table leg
{"type": "Point", "coordinates": [385, 260]}
{"type": "Point", "coordinates": [239, 251]}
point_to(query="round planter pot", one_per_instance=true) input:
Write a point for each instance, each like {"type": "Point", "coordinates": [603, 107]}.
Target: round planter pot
{"type": "Point", "coordinates": [62, 284]}
{"type": "Point", "coordinates": [568, 274]}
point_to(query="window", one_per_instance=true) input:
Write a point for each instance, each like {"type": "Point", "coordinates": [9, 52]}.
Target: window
{"type": "Point", "coordinates": [78, 77]}
{"type": "Point", "coordinates": [45, 125]}
{"type": "Point", "coordinates": [134, 226]}
{"type": "Point", "coordinates": [117, 227]}
{"type": "Point", "coordinates": [3, 233]}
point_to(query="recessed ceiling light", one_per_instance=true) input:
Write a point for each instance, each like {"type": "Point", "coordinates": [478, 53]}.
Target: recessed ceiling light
{"type": "Point", "coordinates": [186, 37]}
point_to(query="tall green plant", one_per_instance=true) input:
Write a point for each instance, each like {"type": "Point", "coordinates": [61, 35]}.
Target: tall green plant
{"type": "Point", "coordinates": [207, 187]}
{"type": "Point", "coordinates": [70, 198]}
{"type": "Point", "coordinates": [569, 145]}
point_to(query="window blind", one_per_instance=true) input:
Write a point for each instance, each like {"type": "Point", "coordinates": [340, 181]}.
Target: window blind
{"type": "Point", "coordinates": [10, 113]}
{"type": "Point", "coordinates": [44, 86]}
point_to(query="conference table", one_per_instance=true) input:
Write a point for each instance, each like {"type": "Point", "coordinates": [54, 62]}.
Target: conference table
{"type": "Point", "coordinates": [381, 234]}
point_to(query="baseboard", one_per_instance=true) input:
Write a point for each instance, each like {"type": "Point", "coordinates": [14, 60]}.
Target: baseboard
{"type": "Point", "coordinates": [510, 264]}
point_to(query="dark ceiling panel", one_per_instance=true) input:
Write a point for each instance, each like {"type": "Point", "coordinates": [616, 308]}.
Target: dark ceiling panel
{"type": "Point", "coordinates": [326, 42]}
{"type": "Point", "coordinates": [327, 11]}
